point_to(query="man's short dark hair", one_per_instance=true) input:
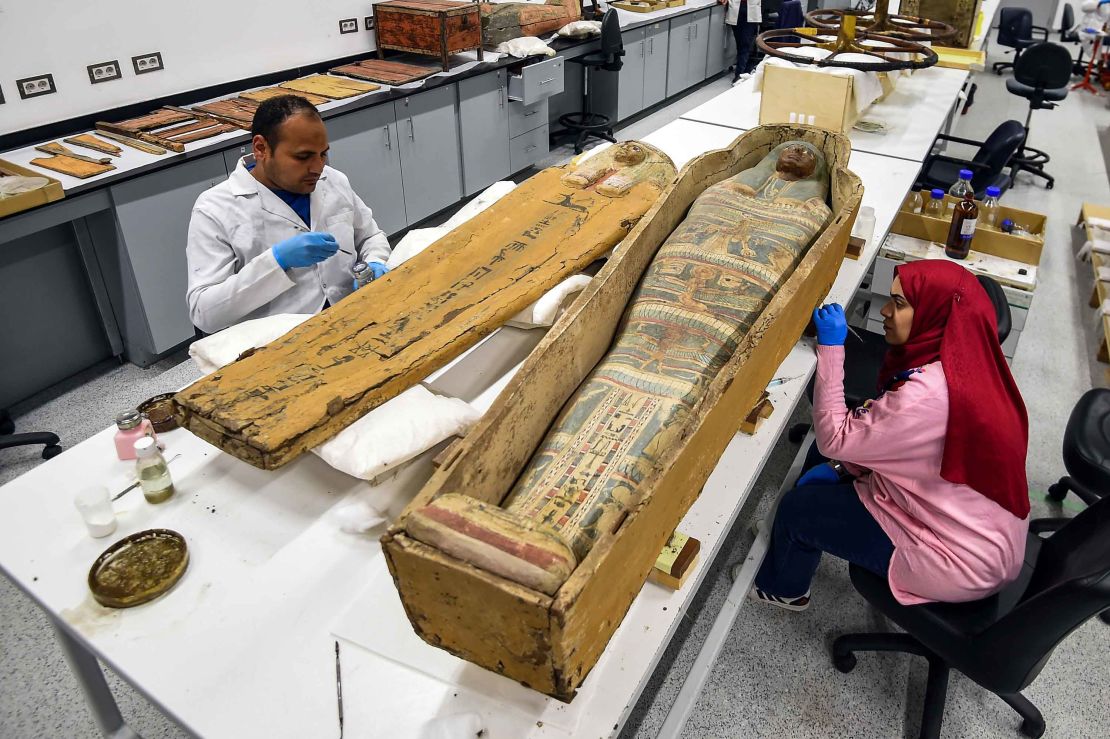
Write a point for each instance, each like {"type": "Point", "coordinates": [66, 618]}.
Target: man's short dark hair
{"type": "Point", "coordinates": [275, 111]}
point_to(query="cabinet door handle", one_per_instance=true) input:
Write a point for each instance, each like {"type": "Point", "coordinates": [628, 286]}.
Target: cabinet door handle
{"type": "Point", "coordinates": [388, 138]}
{"type": "Point", "coordinates": [530, 148]}
{"type": "Point", "coordinates": [526, 115]}
{"type": "Point", "coordinates": [544, 82]}
{"type": "Point", "coordinates": [501, 96]}
{"type": "Point", "coordinates": [412, 130]}
{"type": "Point", "coordinates": [651, 46]}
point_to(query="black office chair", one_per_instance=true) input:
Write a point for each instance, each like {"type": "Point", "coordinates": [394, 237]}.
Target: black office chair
{"type": "Point", "coordinates": [1068, 35]}
{"type": "Point", "coordinates": [1041, 76]}
{"type": "Point", "coordinates": [1016, 29]}
{"type": "Point", "coordinates": [586, 123]}
{"type": "Point", "coordinates": [8, 438]}
{"type": "Point", "coordinates": [1001, 642]}
{"type": "Point", "coordinates": [988, 166]}
{"type": "Point", "coordinates": [863, 356]}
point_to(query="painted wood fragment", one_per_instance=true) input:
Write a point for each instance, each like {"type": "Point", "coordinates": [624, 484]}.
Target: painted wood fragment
{"type": "Point", "coordinates": [53, 147]}
{"type": "Point", "coordinates": [105, 127]}
{"type": "Point", "coordinates": [134, 143]}
{"type": "Point", "coordinates": [266, 93]}
{"type": "Point", "coordinates": [157, 119]}
{"type": "Point", "coordinates": [89, 141]}
{"type": "Point", "coordinates": [333, 88]}
{"type": "Point", "coordinates": [386, 72]}
{"type": "Point", "coordinates": [72, 167]}
{"type": "Point", "coordinates": [505, 21]}
{"type": "Point", "coordinates": [232, 110]}
{"type": "Point", "coordinates": [303, 389]}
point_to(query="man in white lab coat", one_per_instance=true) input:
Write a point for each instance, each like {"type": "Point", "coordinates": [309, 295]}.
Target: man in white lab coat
{"type": "Point", "coordinates": [282, 233]}
{"type": "Point", "coordinates": [744, 16]}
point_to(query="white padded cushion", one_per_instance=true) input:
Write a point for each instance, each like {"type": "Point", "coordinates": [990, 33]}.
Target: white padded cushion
{"type": "Point", "coordinates": [224, 347]}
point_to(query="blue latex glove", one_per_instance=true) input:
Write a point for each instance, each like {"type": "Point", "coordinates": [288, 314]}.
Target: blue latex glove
{"type": "Point", "coordinates": [832, 326]}
{"type": "Point", "coordinates": [377, 269]}
{"type": "Point", "coordinates": [822, 474]}
{"type": "Point", "coordinates": [305, 249]}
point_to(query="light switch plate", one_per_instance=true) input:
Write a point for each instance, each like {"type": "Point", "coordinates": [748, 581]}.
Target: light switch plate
{"type": "Point", "coordinates": [33, 87]}
{"type": "Point", "coordinates": [348, 25]}
{"type": "Point", "coordinates": [104, 72]}
{"type": "Point", "coordinates": [148, 62]}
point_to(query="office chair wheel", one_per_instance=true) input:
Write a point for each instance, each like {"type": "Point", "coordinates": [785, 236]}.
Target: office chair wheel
{"type": "Point", "coordinates": [1034, 729]}
{"type": "Point", "coordinates": [797, 433]}
{"type": "Point", "coordinates": [1057, 492]}
{"type": "Point", "coordinates": [1049, 185]}
{"type": "Point", "coordinates": [1105, 616]}
{"type": "Point", "coordinates": [51, 451]}
{"type": "Point", "coordinates": [844, 662]}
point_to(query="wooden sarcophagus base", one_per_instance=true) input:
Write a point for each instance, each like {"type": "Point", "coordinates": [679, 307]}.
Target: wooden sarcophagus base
{"type": "Point", "coordinates": [525, 550]}
{"type": "Point", "coordinates": [295, 393]}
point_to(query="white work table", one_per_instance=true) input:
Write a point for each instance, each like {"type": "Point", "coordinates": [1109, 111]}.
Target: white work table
{"type": "Point", "coordinates": [243, 646]}
{"type": "Point", "coordinates": [914, 113]}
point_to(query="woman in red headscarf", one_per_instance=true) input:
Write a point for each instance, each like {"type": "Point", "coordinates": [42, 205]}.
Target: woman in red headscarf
{"type": "Point", "coordinates": [936, 497]}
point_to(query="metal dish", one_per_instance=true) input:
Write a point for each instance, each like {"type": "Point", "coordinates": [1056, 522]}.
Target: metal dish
{"type": "Point", "coordinates": [138, 568]}
{"type": "Point", "coordinates": [159, 410]}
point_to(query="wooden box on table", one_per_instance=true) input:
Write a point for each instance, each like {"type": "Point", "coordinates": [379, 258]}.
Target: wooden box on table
{"type": "Point", "coordinates": [48, 193]}
{"type": "Point", "coordinates": [1020, 248]}
{"type": "Point", "coordinates": [963, 14]}
{"type": "Point", "coordinates": [434, 27]}
{"type": "Point", "coordinates": [551, 642]}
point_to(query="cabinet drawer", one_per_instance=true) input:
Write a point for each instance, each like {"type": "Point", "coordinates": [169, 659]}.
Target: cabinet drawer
{"type": "Point", "coordinates": [525, 118]}
{"type": "Point", "coordinates": [526, 150]}
{"type": "Point", "coordinates": [537, 81]}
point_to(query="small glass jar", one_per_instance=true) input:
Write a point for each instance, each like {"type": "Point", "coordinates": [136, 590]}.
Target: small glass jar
{"type": "Point", "coordinates": [95, 505]}
{"type": "Point", "coordinates": [152, 471]}
{"type": "Point", "coordinates": [362, 273]}
{"type": "Point", "coordinates": [131, 426]}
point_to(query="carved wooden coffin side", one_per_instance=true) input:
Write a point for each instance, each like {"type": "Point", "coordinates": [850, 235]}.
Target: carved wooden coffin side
{"type": "Point", "coordinates": [591, 604]}
{"type": "Point", "coordinates": [505, 21]}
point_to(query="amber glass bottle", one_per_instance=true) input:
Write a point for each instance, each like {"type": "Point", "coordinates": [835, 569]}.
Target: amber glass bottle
{"type": "Point", "coordinates": [964, 218]}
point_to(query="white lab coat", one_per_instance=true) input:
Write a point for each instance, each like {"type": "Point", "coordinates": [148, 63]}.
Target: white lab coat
{"type": "Point", "coordinates": [233, 275]}
{"type": "Point", "coordinates": [755, 11]}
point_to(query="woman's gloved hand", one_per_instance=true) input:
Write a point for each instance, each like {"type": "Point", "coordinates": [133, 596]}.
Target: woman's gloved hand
{"type": "Point", "coordinates": [832, 325]}
{"type": "Point", "coordinates": [305, 249]}
{"type": "Point", "coordinates": [377, 269]}
{"type": "Point", "coordinates": [822, 474]}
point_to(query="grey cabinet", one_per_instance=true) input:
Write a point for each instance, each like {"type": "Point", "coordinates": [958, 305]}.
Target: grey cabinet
{"type": "Point", "coordinates": [722, 43]}
{"type": "Point", "coordinates": [699, 49]}
{"type": "Point", "coordinates": [630, 83]}
{"type": "Point", "coordinates": [687, 51]}
{"type": "Point", "coordinates": [147, 260]}
{"type": "Point", "coordinates": [365, 146]}
{"type": "Point", "coordinates": [232, 156]}
{"type": "Point", "coordinates": [655, 63]}
{"type": "Point", "coordinates": [484, 130]}
{"type": "Point", "coordinates": [429, 138]}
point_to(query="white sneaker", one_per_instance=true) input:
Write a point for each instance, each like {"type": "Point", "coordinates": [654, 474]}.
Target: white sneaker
{"type": "Point", "coordinates": [790, 604]}
{"type": "Point", "coordinates": [740, 79]}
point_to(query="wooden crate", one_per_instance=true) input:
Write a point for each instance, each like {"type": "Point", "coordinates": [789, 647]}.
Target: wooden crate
{"type": "Point", "coordinates": [1025, 249]}
{"type": "Point", "coordinates": [963, 14]}
{"type": "Point", "coordinates": [27, 200]}
{"type": "Point", "coordinates": [805, 92]}
{"type": "Point", "coordinates": [550, 643]}
{"type": "Point", "coordinates": [435, 27]}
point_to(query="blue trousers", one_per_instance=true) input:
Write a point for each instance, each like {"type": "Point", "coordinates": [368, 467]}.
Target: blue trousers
{"type": "Point", "coordinates": [815, 519]}
{"type": "Point", "coordinates": [744, 33]}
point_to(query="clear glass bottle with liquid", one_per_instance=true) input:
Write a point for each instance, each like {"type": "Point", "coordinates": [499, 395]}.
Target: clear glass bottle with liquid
{"type": "Point", "coordinates": [916, 202]}
{"type": "Point", "coordinates": [964, 219]}
{"type": "Point", "coordinates": [152, 471]}
{"type": "Point", "coordinates": [362, 274]}
{"type": "Point", "coordinates": [961, 188]}
{"type": "Point", "coordinates": [988, 211]}
{"type": "Point", "coordinates": [935, 206]}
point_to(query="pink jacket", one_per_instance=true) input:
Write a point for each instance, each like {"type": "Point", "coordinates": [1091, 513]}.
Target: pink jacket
{"type": "Point", "coordinates": [951, 544]}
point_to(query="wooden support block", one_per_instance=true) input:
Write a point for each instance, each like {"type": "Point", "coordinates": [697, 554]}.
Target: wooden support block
{"type": "Point", "coordinates": [448, 453]}
{"type": "Point", "coordinates": [762, 411]}
{"type": "Point", "coordinates": [855, 248]}
{"type": "Point", "coordinates": [675, 563]}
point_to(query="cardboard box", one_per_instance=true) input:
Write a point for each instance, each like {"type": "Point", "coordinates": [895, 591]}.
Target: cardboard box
{"type": "Point", "coordinates": [804, 92]}
{"type": "Point", "coordinates": [27, 200]}
{"type": "Point", "coordinates": [1025, 249]}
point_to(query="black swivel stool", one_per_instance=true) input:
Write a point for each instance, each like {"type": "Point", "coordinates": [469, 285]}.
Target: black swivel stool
{"type": "Point", "coordinates": [1015, 29]}
{"type": "Point", "coordinates": [1041, 76]}
{"type": "Point", "coordinates": [1001, 642]}
{"type": "Point", "coordinates": [586, 124]}
{"type": "Point", "coordinates": [1086, 455]}
{"type": "Point", "coordinates": [8, 437]}
{"type": "Point", "coordinates": [987, 166]}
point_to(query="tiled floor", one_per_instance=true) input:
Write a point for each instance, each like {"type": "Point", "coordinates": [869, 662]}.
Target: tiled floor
{"type": "Point", "coordinates": [774, 677]}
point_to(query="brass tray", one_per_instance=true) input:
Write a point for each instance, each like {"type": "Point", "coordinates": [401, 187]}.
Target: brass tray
{"type": "Point", "coordinates": [159, 410]}
{"type": "Point", "coordinates": [138, 568]}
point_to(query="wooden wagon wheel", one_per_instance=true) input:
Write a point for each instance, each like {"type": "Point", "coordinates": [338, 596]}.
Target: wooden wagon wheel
{"type": "Point", "coordinates": [887, 51]}
{"type": "Point", "coordinates": [909, 27]}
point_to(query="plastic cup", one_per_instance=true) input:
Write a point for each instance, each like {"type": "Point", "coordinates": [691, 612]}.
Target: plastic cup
{"type": "Point", "coordinates": [95, 505]}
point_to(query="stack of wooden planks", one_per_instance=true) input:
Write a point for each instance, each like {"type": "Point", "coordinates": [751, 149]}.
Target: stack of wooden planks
{"type": "Point", "coordinates": [388, 73]}
{"type": "Point", "coordinates": [236, 111]}
{"type": "Point", "coordinates": [170, 127]}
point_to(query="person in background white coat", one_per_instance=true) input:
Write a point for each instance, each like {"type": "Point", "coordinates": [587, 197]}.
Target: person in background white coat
{"type": "Point", "coordinates": [744, 16]}
{"type": "Point", "coordinates": [282, 233]}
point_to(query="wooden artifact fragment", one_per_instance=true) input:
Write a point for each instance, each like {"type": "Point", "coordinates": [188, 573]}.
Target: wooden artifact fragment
{"type": "Point", "coordinates": [157, 119]}
{"type": "Point", "coordinates": [174, 131]}
{"type": "Point", "coordinates": [134, 143]}
{"type": "Point", "coordinates": [386, 72]}
{"type": "Point", "coordinates": [301, 390]}
{"type": "Point", "coordinates": [435, 27]}
{"type": "Point", "coordinates": [760, 413]}
{"type": "Point", "coordinates": [266, 93]}
{"type": "Point", "coordinates": [675, 563]}
{"type": "Point", "coordinates": [233, 110]}
{"type": "Point", "coordinates": [333, 88]}
{"type": "Point", "coordinates": [550, 642]}
{"type": "Point", "coordinates": [205, 133]}
{"type": "Point", "coordinates": [105, 128]}
{"type": "Point", "coordinates": [73, 167]}
{"type": "Point", "coordinates": [505, 21]}
{"type": "Point", "coordinates": [53, 147]}
{"type": "Point", "coordinates": [89, 141]}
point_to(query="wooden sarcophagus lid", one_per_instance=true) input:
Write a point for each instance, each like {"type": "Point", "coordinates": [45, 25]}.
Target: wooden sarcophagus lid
{"type": "Point", "coordinates": [495, 560]}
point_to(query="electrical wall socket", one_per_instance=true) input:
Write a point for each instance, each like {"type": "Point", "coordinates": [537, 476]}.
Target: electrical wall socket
{"type": "Point", "coordinates": [369, 20]}
{"type": "Point", "coordinates": [2, 101]}
{"type": "Point", "coordinates": [104, 72]}
{"type": "Point", "coordinates": [348, 25]}
{"type": "Point", "coordinates": [147, 63]}
{"type": "Point", "coordinates": [32, 87]}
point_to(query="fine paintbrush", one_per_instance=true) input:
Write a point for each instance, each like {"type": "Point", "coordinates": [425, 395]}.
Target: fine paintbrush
{"type": "Point", "coordinates": [339, 690]}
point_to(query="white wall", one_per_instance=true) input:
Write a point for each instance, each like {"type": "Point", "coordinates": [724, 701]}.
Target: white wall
{"type": "Point", "coordinates": [203, 42]}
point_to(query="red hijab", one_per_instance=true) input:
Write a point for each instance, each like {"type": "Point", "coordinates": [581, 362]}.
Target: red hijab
{"type": "Point", "coordinates": [987, 437]}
